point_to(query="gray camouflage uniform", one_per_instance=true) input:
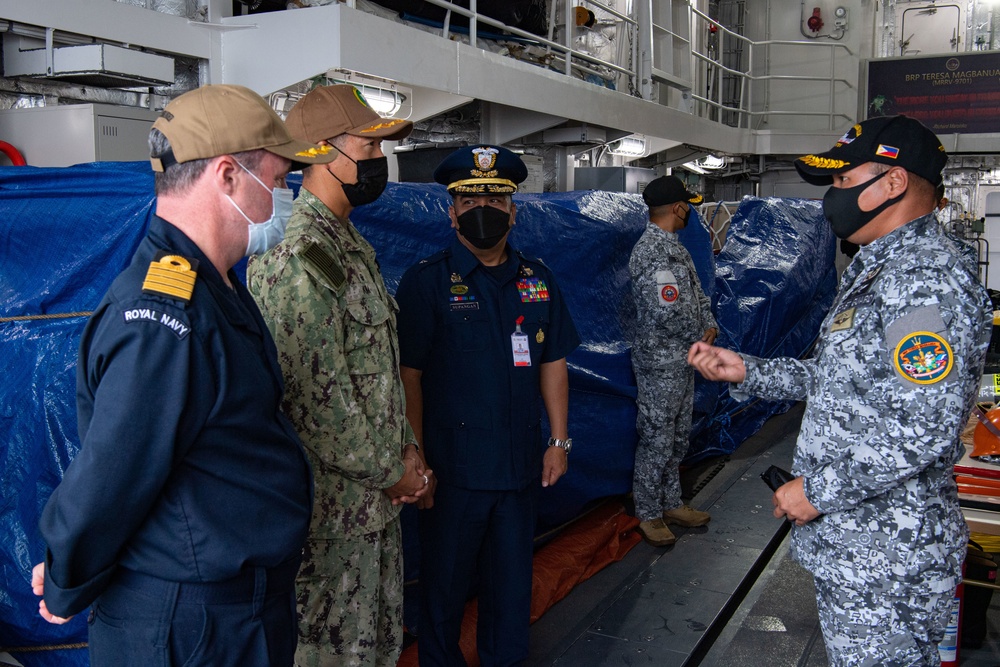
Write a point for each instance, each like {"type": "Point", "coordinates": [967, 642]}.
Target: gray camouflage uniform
{"type": "Point", "coordinates": [334, 323]}
{"type": "Point", "coordinates": [886, 401]}
{"type": "Point", "coordinates": [672, 312]}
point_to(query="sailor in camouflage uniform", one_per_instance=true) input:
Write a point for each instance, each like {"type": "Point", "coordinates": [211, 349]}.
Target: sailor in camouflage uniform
{"type": "Point", "coordinates": [334, 324]}
{"type": "Point", "coordinates": [888, 391]}
{"type": "Point", "coordinates": [672, 312]}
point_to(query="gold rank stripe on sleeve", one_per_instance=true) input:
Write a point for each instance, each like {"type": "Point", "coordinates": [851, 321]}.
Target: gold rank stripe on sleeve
{"type": "Point", "coordinates": [172, 276]}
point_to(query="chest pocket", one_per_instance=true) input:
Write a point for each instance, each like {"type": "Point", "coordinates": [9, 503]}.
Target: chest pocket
{"type": "Point", "coordinates": [367, 339]}
{"type": "Point", "coordinates": [468, 330]}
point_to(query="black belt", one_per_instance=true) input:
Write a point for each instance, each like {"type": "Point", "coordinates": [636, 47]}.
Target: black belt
{"type": "Point", "coordinates": [241, 588]}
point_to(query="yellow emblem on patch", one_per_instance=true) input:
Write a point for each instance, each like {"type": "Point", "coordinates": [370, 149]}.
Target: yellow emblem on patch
{"type": "Point", "coordinates": [823, 162]}
{"type": "Point", "coordinates": [923, 357]}
{"type": "Point", "coordinates": [459, 289]}
{"type": "Point", "coordinates": [171, 275]}
{"type": "Point", "coordinates": [540, 337]}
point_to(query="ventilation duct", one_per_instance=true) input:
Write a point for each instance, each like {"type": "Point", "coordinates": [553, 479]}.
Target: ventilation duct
{"type": "Point", "coordinates": [101, 65]}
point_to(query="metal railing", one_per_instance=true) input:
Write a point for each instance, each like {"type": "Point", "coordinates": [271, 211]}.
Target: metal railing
{"type": "Point", "coordinates": [571, 57]}
{"type": "Point", "coordinates": [710, 90]}
{"type": "Point", "coordinates": [706, 75]}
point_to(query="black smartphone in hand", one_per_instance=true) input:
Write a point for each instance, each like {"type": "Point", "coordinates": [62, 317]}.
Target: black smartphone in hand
{"type": "Point", "coordinates": [775, 477]}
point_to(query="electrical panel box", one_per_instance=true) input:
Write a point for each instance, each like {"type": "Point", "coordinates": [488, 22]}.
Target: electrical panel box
{"type": "Point", "coordinates": [613, 179]}
{"type": "Point", "coordinates": [64, 135]}
{"type": "Point", "coordinates": [535, 182]}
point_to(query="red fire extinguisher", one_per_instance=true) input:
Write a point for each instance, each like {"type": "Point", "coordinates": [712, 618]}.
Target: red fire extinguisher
{"type": "Point", "coordinates": [815, 22]}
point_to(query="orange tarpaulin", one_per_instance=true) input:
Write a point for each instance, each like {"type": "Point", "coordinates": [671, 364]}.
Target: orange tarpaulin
{"type": "Point", "coordinates": [601, 537]}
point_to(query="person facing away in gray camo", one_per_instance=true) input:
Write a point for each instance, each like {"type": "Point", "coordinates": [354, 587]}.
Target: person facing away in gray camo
{"type": "Point", "coordinates": [334, 323]}
{"type": "Point", "coordinates": [672, 312]}
{"type": "Point", "coordinates": [888, 390]}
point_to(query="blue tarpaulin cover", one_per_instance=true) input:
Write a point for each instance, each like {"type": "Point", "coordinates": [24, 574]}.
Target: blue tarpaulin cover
{"type": "Point", "coordinates": [66, 233]}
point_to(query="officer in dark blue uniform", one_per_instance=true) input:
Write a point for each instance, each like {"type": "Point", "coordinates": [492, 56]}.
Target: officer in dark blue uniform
{"type": "Point", "coordinates": [183, 516]}
{"type": "Point", "coordinates": [483, 336]}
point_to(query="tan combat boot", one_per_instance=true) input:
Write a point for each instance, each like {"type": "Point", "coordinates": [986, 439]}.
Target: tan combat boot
{"type": "Point", "coordinates": [656, 533]}
{"type": "Point", "coordinates": [686, 516]}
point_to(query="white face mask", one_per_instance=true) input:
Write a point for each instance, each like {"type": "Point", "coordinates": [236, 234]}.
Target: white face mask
{"type": "Point", "coordinates": [265, 235]}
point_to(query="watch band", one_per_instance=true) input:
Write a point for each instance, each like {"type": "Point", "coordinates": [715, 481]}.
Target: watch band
{"type": "Point", "coordinates": [566, 444]}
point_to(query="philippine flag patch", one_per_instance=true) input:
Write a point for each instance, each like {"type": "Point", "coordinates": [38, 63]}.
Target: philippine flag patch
{"type": "Point", "coordinates": [887, 151]}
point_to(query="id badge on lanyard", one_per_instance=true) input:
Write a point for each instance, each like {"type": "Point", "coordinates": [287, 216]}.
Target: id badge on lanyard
{"type": "Point", "coordinates": [519, 345]}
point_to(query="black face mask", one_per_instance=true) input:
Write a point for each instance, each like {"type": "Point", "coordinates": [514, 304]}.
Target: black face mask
{"type": "Point", "coordinates": [373, 174]}
{"type": "Point", "coordinates": [687, 216]}
{"type": "Point", "coordinates": [484, 226]}
{"type": "Point", "coordinates": [840, 206]}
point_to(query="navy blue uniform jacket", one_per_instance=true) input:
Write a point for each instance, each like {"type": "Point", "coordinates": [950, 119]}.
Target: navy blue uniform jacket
{"type": "Point", "coordinates": [482, 415]}
{"type": "Point", "coordinates": [187, 471]}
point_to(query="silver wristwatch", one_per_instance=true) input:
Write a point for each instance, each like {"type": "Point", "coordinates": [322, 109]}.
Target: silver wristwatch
{"type": "Point", "coordinates": [566, 444]}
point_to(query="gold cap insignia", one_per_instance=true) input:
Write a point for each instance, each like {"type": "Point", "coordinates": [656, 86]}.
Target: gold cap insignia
{"type": "Point", "coordinates": [823, 162]}
{"type": "Point", "coordinates": [314, 151]}
{"type": "Point", "coordinates": [486, 158]}
{"type": "Point", "coordinates": [387, 124]}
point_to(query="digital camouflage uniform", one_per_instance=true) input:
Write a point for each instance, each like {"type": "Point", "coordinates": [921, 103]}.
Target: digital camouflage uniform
{"type": "Point", "coordinates": [672, 312]}
{"type": "Point", "coordinates": [334, 324]}
{"type": "Point", "coordinates": [895, 371]}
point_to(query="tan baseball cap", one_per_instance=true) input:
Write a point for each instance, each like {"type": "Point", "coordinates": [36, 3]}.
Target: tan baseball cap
{"type": "Point", "coordinates": [222, 119]}
{"type": "Point", "coordinates": [330, 111]}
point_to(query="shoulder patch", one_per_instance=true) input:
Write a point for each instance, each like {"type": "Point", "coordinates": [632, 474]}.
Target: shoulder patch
{"type": "Point", "coordinates": [923, 357]}
{"type": "Point", "coordinates": [171, 276]}
{"type": "Point", "coordinates": [320, 260]}
{"type": "Point", "coordinates": [153, 313]}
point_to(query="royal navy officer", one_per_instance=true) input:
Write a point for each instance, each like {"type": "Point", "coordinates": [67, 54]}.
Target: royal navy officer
{"type": "Point", "coordinates": [182, 517]}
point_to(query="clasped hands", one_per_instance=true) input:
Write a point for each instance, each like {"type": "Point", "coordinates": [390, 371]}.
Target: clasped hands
{"type": "Point", "coordinates": [417, 483]}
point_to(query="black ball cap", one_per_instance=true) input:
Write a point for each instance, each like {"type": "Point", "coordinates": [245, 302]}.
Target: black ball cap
{"type": "Point", "coordinates": [894, 140]}
{"type": "Point", "coordinates": [667, 190]}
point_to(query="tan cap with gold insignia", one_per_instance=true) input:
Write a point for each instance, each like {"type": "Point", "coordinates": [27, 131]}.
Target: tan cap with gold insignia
{"type": "Point", "coordinates": [330, 111]}
{"type": "Point", "coordinates": [223, 119]}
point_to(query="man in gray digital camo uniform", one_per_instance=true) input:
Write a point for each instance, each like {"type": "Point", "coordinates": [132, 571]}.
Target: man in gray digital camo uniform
{"type": "Point", "coordinates": [888, 390]}
{"type": "Point", "coordinates": [334, 324]}
{"type": "Point", "coordinates": [672, 312]}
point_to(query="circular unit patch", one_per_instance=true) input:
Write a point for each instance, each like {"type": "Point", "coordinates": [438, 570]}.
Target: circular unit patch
{"type": "Point", "coordinates": [669, 293]}
{"type": "Point", "coordinates": [923, 357]}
